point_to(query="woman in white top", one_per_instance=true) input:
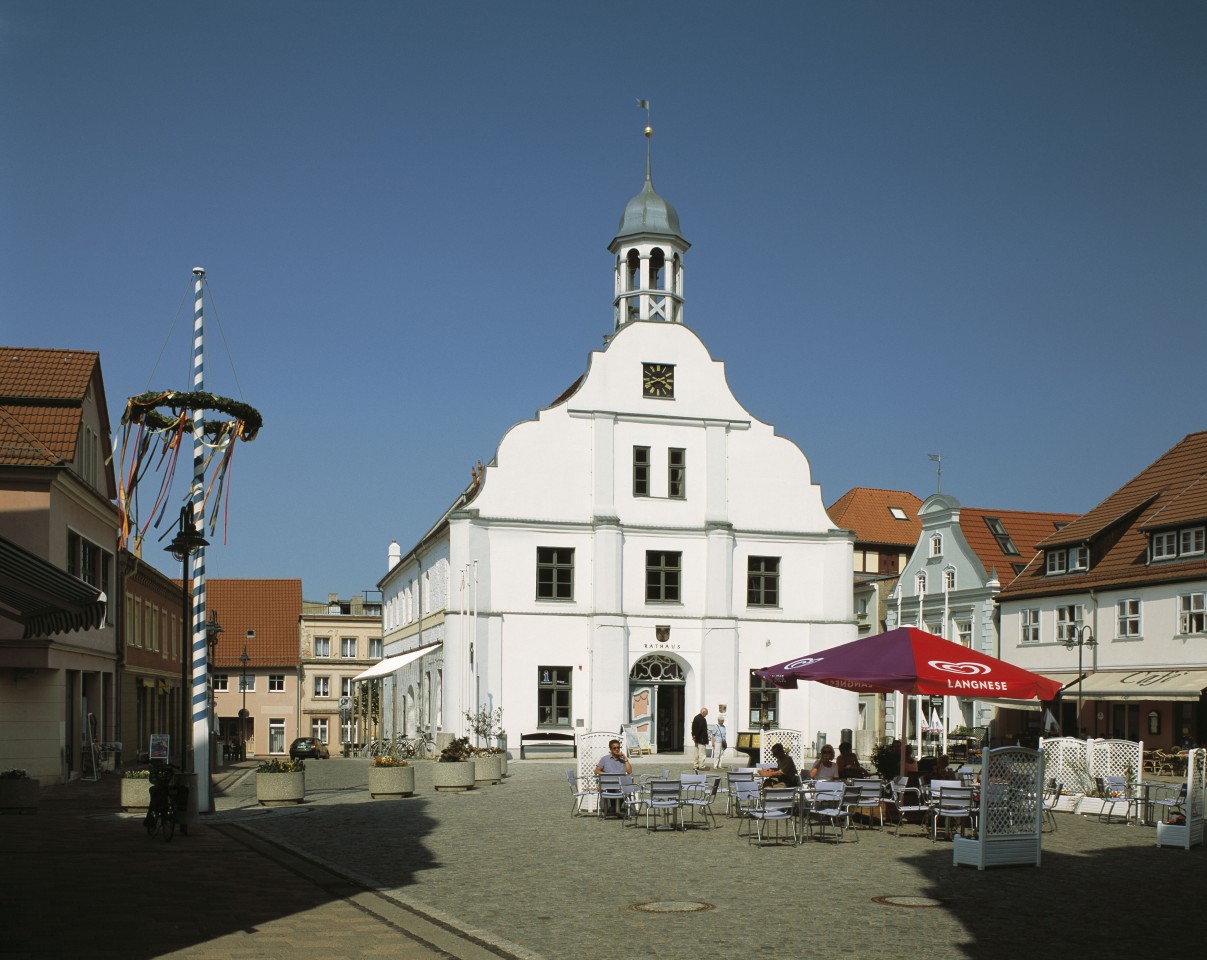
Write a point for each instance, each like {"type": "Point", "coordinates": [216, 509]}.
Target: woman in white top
{"type": "Point", "coordinates": [825, 768]}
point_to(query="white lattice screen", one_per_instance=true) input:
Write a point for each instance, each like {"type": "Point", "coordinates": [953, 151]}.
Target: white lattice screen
{"type": "Point", "coordinates": [792, 740]}
{"type": "Point", "coordinates": [591, 747]}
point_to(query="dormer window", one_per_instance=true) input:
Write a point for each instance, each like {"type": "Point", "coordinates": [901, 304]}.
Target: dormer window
{"type": "Point", "coordinates": [1079, 559]}
{"type": "Point", "coordinates": [1057, 562]}
{"type": "Point", "coordinates": [1171, 544]}
{"type": "Point", "coordinates": [936, 545]}
{"type": "Point", "coordinates": [1067, 560]}
{"type": "Point", "coordinates": [1191, 541]}
{"type": "Point", "coordinates": [1165, 545]}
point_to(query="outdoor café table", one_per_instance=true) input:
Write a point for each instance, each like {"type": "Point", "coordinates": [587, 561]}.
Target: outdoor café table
{"type": "Point", "coordinates": [1144, 799]}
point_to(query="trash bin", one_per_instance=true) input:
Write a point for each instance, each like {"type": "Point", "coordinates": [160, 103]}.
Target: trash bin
{"type": "Point", "coordinates": [848, 736]}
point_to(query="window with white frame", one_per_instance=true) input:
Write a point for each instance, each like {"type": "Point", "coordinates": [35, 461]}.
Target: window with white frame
{"type": "Point", "coordinates": [347, 731]}
{"type": "Point", "coordinates": [319, 729]}
{"type": "Point", "coordinates": [920, 584]}
{"type": "Point", "coordinates": [1079, 559]}
{"type": "Point", "coordinates": [1165, 545]}
{"type": "Point", "coordinates": [247, 683]}
{"type": "Point", "coordinates": [322, 646]}
{"type": "Point", "coordinates": [276, 683]}
{"type": "Point", "coordinates": [1029, 623]}
{"type": "Point", "coordinates": [347, 647]}
{"type": "Point", "coordinates": [964, 632]}
{"type": "Point", "coordinates": [1190, 613]}
{"type": "Point", "coordinates": [221, 682]}
{"type": "Point", "coordinates": [322, 687]}
{"type": "Point", "coordinates": [936, 545]}
{"type": "Point", "coordinates": [345, 686]}
{"type": "Point", "coordinates": [1127, 618]}
{"type": "Point", "coordinates": [375, 649]}
{"type": "Point", "coordinates": [949, 579]}
{"type": "Point", "coordinates": [1067, 619]}
{"type": "Point", "coordinates": [1057, 562]}
{"type": "Point", "coordinates": [1191, 542]}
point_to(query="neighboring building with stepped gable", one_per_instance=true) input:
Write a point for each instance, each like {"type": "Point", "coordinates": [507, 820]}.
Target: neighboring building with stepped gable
{"type": "Point", "coordinates": [964, 557]}
{"type": "Point", "coordinates": [630, 554]}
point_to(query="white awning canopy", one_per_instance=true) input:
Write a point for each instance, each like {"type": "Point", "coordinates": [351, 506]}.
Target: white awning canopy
{"type": "Point", "coordinates": [390, 664]}
{"type": "Point", "coordinates": [1142, 685]}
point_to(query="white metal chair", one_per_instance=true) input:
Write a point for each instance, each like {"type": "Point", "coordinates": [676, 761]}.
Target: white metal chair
{"type": "Point", "coordinates": [1171, 805]}
{"type": "Point", "coordinates": [1050, 799]}
{"type": "Point", "coordinates": [577, 809]}
{"type": "Point", "coordinates": [732, 779]}
{"type": "Point", "coordinates": [910, 804]}
{"type": "Point", "coordinates": [865, 795]}
{"type": "Point", "coordinates": [665, 803]}
{"type": "Point", "coordinates": [952, 805]}
{"type": "Point", "coordinates": [745, 796]}
{"type": "Point", "coordinates": [613, 794]}
{"type": "Point", "coordinates": [828, 808]}
{"type": "Point", "coordinates": [778, 806]}
{"type": "Point", "coordinates": [1115, 794]}
{"type": "Point", "coordinates": [699, 795]}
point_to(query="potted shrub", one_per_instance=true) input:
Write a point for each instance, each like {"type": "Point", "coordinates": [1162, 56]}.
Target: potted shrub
{"type": "Point", "coordinates": [279, 781]}
{"type": "Point", "coordinates": [136, 789]}
{"type": "Point", "coordinates": [454, 770]}
{"type": "Point", "coordinates": [485, 725]}
{"type": "Point", "coordinates": [18, 791]}
{"type": "Point", "coordinates": [391, 777]}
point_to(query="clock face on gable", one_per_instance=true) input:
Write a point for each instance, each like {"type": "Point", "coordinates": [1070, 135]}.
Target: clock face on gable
{"type": "Point", "coordinates": [658, 380]}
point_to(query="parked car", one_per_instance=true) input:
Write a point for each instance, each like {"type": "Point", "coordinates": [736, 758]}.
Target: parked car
{"type": "Point", "coordinates": [308, 748]}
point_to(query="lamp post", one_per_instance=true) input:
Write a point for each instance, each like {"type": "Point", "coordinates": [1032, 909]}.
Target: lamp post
{"type": "Point", "coordinates": [1079, 637]}
{"type": "Point", "coordinates": [243, 659]}
{"type": "Point", "coordinates": [186, 542]}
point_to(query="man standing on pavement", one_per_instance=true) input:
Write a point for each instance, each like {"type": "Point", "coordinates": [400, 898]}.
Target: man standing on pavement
{"type": "Point", "coordinates": [700, 737]}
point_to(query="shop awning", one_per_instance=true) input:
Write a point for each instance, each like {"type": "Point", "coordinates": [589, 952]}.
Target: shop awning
{"type": "Point", "coordinates": [1142, 685]}
{"type": "Point", "coordinates": [43, 598]}
{"type": "Point", "coordinates": [390, 664]}
{"type": "Point", "coordinates": [1064, 679]}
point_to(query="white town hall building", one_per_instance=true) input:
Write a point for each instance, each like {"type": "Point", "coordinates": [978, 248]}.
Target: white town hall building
{"type": "Point", "coordinates": [628, 556]}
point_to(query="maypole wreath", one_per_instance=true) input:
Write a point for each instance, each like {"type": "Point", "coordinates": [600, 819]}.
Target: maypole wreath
{"type": "Point", "coordinates": [153, 436]}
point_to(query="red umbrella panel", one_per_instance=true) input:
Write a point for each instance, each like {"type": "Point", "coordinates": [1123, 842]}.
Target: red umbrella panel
{"type": "Point", "coordinates": [912, 661]}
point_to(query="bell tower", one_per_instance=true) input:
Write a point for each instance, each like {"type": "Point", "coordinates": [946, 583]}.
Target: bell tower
{"type": "Point", "coordinates": [649, 250]}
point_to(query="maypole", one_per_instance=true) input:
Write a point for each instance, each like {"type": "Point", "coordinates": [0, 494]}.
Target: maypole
{"type": "Point", "coordinates": [200, 694]}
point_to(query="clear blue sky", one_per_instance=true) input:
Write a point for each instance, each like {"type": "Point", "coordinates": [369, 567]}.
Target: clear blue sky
{"type": "Point", "coordinates": [973, 229]}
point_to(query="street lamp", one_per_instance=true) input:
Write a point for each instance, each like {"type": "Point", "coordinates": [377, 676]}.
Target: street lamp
{"type": "Point", "coordinates": [243, 658]}
{"type": "Point", "coordinates": [186, 542]}
{"type": "Point", "coordinates": [1079, 637]}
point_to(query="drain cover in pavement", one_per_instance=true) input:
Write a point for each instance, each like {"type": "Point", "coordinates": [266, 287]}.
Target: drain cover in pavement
{"type": "Point", "coordinates": [672, 906]}
{"type": "Point", "coordinates": [913, 902]}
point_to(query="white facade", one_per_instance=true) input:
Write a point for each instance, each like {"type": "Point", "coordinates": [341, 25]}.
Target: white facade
{"type": "Point", "coordinates": [596, 573]}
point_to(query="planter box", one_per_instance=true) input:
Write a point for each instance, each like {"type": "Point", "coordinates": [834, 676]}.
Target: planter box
{"type": "Point", "coordinates": [1068, 802]}
{"type": "Point", "coordinates": [391, 781]}
{"type": "Point", "coordinates": [488, 769]}
{"type": "Point", "coordinates": [1089, 806]}
{"type": "Point", "coordinates": [19, 796]}
{"type": "Point", "coordinates": [136, 794]}
{"type": "Point", "coordinates": [276, 789]}
{"type": "Point", "coordinates": [453, 776]}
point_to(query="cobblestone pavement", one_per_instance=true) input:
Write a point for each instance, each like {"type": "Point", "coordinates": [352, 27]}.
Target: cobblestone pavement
{"type": "Point", "coordinates": [504, 870]}
{"type": "Point", "coordinates": [509, 864]}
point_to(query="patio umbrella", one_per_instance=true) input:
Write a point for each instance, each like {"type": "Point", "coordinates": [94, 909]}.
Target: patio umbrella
{"type": "Point", "coordinates": [912, 661]}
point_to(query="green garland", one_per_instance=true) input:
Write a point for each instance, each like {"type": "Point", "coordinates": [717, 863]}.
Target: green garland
{"type": "Point", "coordinates": [144, 409]}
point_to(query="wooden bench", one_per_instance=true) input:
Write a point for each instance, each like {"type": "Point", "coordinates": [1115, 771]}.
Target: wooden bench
{"type": "Point", "coordinates": [547, 738]}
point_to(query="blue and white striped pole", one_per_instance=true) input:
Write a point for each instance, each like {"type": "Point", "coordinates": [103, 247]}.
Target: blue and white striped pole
{"type": "Point", "coordinates": [199, 710]}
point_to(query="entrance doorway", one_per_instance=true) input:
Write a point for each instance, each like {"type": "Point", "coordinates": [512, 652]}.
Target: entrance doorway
{"type": "Point", "coordinates": [657, 697]}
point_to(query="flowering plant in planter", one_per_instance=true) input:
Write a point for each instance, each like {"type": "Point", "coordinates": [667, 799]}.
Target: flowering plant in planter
{"type": "Point", "coordinates": [457, 752]}
{"type": "Point", "coordinates": [388, 761]}
{"type": "Point", "coordinates": [281, 765]}
{"type": "Point", "coordinates": [138, 774]}
{"type": "Point", "coordinates": [15, 774]}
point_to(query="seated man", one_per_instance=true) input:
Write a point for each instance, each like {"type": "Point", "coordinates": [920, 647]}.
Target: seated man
{"type": "Point", "coordinates": [614, 761]}
{"type": "Point", "coordinates": [848, 763]}
{"type": "Point", "coordinates": [783, 774]}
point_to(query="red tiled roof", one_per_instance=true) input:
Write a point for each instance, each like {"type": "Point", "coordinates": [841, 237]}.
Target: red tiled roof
{"type": "Point", "coordinates": [1170, 491]}
{"type": "Point", "coordinates": [1025, 527]}
{"type": "Point", "coordinates": [270, 607]}
{"type": "Point", "coordinates": [866, 511]}
{"type": "Point", "coordinates": [42, 393]}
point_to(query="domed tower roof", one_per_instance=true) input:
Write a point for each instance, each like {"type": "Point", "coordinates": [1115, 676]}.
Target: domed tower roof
{"type": "Point", "coordinates": [649, 213]}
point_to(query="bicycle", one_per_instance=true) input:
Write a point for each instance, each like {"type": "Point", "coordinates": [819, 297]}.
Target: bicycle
{"type": "Point", "coordinates": [161, 811]}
